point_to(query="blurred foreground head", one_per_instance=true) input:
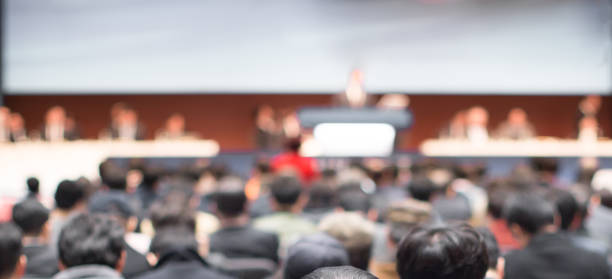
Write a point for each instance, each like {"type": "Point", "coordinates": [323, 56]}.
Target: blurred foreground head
{"type": "Point", "coordinates": [12, 262]}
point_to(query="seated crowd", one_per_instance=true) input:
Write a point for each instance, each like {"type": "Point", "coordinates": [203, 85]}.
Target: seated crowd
{"type": "Point", "coordinates": [430, 220]}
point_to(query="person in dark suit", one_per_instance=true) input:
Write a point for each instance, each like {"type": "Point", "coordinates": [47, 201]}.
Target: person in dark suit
{"type": "Point", "coordinates": [237, 248]}
{"type": "Point", "coordinates": [175, 249]}
{"type": "Point", "coordinates": [547, 253]}
{"type": "Point", "coordinates": [16, 128]}
{"type": "Point", "coordinates": [32, 217]}
{"type": "Point", "coordinates": [58, 127]}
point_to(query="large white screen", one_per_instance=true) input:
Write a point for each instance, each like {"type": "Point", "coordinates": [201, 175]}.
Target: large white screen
{"type": "Point", "coordinates": [307, 46]}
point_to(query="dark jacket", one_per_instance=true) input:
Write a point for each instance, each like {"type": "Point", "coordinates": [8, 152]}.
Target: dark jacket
{"type": "Point", "coordinates": [88, 272]}
{"type": "Point", "coordinates": [553, 255]}
{"type": "Point", "coordinates": [183, 264]}
{"type": "Point", "coordinates": [135, 263]}
{"type": "Point", "coordinates": [42, 261]}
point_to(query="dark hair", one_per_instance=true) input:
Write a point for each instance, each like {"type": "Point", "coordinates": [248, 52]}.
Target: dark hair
{"type": "Point", "coordinates": [91, 239]}
{"type": "Point", "coordinates": [529, 211]}
{"type": "Point", "coordinates": [172, 213]}
{"type": "Point", "coordinates": [497, 199]}
{"type": "Point", "coordinates": [421, 188]}
{"type": "Point", "coordinates": [33, 185]}
{"type": "Point", "coordinates": [230, 199]}
{"type": "Point", "coordinates": [606, 198]}
{"type": "Point", "coordinates": [10, 248]}
{"type": "Point", "coordinates": [545, 164]}
{"type": "Point", "coordinates": [339, 272]}
{"type": "Point", "coordinates": [457, 252]}
{"type": "Point", "coordinates": [286, 190]}
{"type": "Point", "coordinates": [321, 196]}
{"type": "Point", "coordinates": [492, 246]}
{"type": "Point", "coordinates": [150, 176]}
{"type": "Point", "coordinates": [566, 204]}
{"type": "Point", "coordinates": [114, 205]}
{"type": "Point", "coordinates": [68, 194]}
{"type": "Point", "coordinates": [30, 215]}
{"type": "Point", "coordinates": [114, 177]}
{"type": "Point", "coordinates": [312, 252]}
{"type": "Point", "coordinates": [354, 200]}
{"type": "Point", "coordinates": [170, 238]}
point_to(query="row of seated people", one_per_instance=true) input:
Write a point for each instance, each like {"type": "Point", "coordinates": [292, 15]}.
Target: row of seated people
{"type": "Point", "coordinates": [472, 124]}
{"type": "Point", "coordinates": [204, 226]}
{"type": "Point", "coordinates": [59, 126]}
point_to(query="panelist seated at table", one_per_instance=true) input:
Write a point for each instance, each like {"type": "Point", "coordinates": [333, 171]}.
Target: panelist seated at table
{"type": "Point", "coordinates": [588, 129]}
{"type": "Point", "coordinates": [516, 126]}
{"type": "Point", "coordinates": [4, 127]}
{"type": "Point", "coordinates": [57, 126]}
{"type": "Point", "coordinates": [470, 124]}
{"type": "Point", "coordinates": [174, 129]}
{"type": "Point", "coordinates": [124, 125]}
{"type": "Point", "coordinates": [16, 128]}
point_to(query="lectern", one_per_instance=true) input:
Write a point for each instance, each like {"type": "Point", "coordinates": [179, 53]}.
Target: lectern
{"type": "Point", "coordinates": [350, 132]}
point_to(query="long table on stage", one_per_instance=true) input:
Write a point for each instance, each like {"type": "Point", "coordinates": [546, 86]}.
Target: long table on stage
{"type": "Point", "coordinates": [522, 148]}
{"type": "Point", "coordinates": [53, 162]}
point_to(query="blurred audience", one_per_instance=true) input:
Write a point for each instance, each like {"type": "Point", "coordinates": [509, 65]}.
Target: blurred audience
{"type": "Point", "coordinates": [546, 252]}
{"type": "Point", "coordinates": [354, 232]}
{"type": "Point", "coordinates": [70, 200]}
{"type": "Point", "coordinates": [339, 272]}
{"type": "Point", "coordinates": [291, 161]}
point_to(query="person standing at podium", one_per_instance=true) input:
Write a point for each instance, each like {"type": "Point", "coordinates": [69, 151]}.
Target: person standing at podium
{"type": "Point", "coordinates": [354, 96]}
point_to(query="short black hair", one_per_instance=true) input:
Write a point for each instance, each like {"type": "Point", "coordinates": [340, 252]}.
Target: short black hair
{"type": "Point", "coordinates": [354, 200]}
{"type": "Point", "coordinates": [150, 176]}
{"type": "Point", "coordinates": [172, 213]}
{"type": "Point", "coordinates": [33, 185]}
{"type": "Point", "coordinates": [114, 177]}
{"type": "Point", "coordinates": [492, 246]}
{"type": "Point", "coordinates": [497, 199]}
{"type": "Point", "coordinates": [68, 194]}
{"type": "Point", "coordinates": [339, 272]}
{"type": "Point", "coordinates": [321, 196]}
{"type": "Point", "coordinates": [422, 188]}
{"type": "Point", "coordinates": [173, 238]}
{"type": "Point", "coordinates": [545, 164]}
{"type": "Point", "coordinates": [10, 248]}
{"type": "Point", "coordinates": [91, 239]}
{"type": "Point", "coordinates": [312, 252]}
{"type": "Point", "coordinates": [530, 211]}
{"type": "Point", "coordinates": [230, 198]}
{"type": "Point", "coordinates": [566, 204]}
{"type": "Point", "coordinates": [456, 251]}
{"type": "Point", "coordinates": [286, 190]}
{"type": "Point", "coordinates": [31, 216]}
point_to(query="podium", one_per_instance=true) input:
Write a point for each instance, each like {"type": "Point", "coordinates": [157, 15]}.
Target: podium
{"type": "Point", "coordinates": [348, 132]}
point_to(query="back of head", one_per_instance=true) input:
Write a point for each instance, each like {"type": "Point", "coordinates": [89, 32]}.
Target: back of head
{"type": "Point", "coordinates": [354, 232]}
{"type": "Point", "coordinates": [530, 211]}
{"type": "Point", "coordinates": [172, 213]}
{"type": "Point", "coordinates": [286, 190]}
{"type": "Point", "coordinates": [33, 185]}
{"type": "Point", "coordinates": [354, 200]}
{"type": "Point", "coordinates": [91, 240]}
{"type": "Point", "coordinates": [312, 252]}
{"type": "Point", "coordinates": [117, 206]}
{"type": "Point", "coordinates": [113, 176]}
{"type": "Point", "coordinates": [68, 194]}
{"type": "Point", "coordinates": [403, 216]}
{"type": "Point", "coordinates": [566, 204]}
{"type": "Point", "coordinates": [321, 196]}
{"type": "Point", "coordinates": [31, 216]}
{"type": "Point", "coordinates": [456, 252]}
{"type": "Point", "coordinates": [422, 188]}
{"type": "Point", "coordinates": [339, 272]}
{"type": "Point", "coordinates": [230, 198]}
{"type": "Point", "coordinates": [10, 249]}
{"type": "Point", "coordinates": [492, 246]}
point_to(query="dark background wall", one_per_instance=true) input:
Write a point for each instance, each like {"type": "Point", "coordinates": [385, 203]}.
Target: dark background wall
{"type": "Point", "coordinates": [229, 118]}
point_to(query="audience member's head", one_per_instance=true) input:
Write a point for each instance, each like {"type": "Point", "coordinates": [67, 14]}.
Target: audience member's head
{"type": "Point", "coordinates": [339, 272]}
{"type": "Point", "coordinates": [12, 261]}
{"type": "Point", "coordinates": [118, 208]}
{"type": "Point", "coordinates": [33, 186]}
{"type": "Point", "coordinates": [113, 176]}
{"type": "Point", "coordinates": [31, 216]}
{"type": "Point", "coordinates": [312, 252]}
{"type": "Point", "coordinates": [321, 196]}
{"type": "Point", "coordinates": [230, 198]}
{"type": "Point", "coordinates": [492, 247]}
{"type": "Point", "coordinates": [69, 195]}
{"type": "Point", "coordinates": [92, 240]}
{"type": "Point", "coordinates": [354, 232]}
{"type": "Point", "coordinates": [172, 213]}
{"type": "Point", "coordinates": [403, 216]}
{"type": "Point", "coordinates": [528, 214]}
{"type": "Point", "coordinates": [497, 199]}
{"type": "Point", "coordinates": [567, 208]}
{"type": "Point", "coordinates": [353, 199]}
{"type": "Point", "coordinates": [422, 189]}
{"type": "Point", "coordinates": [287, 194]}
{"type": "Point", "coordinates": [457, 252]}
